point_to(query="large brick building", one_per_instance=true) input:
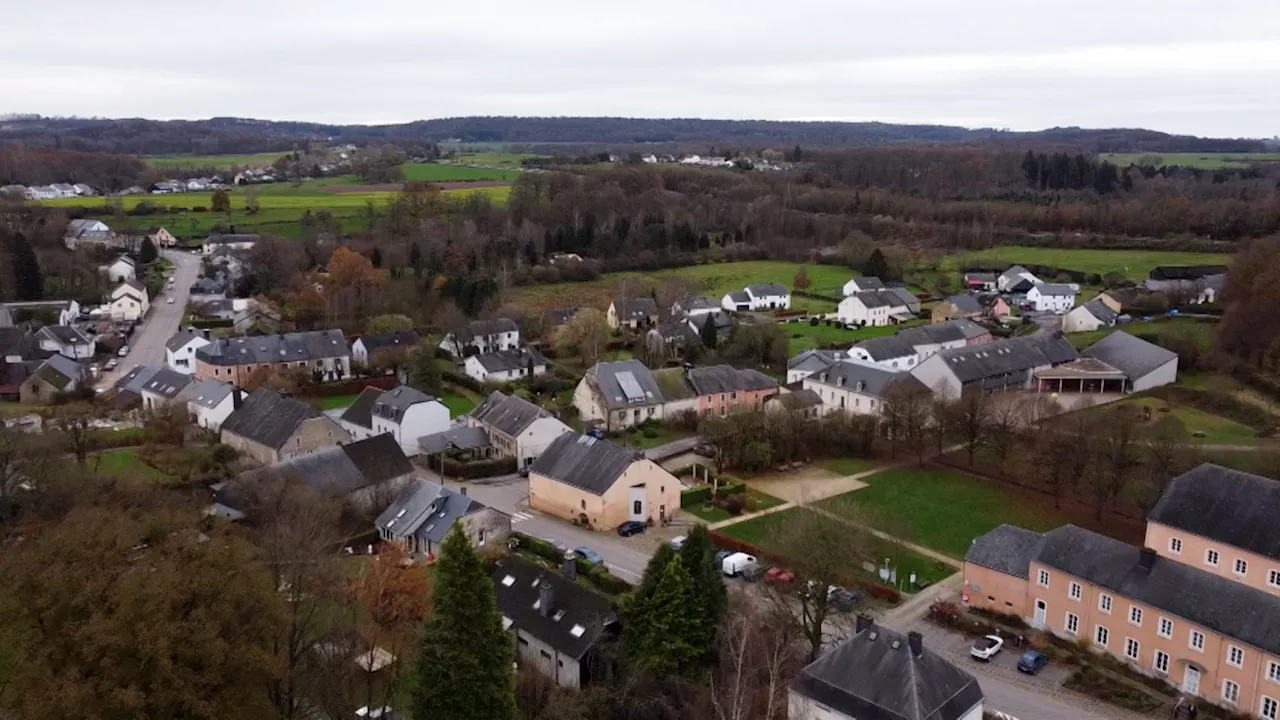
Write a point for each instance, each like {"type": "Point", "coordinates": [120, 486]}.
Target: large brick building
{"type": "Point", "coordinates": [323, 354]}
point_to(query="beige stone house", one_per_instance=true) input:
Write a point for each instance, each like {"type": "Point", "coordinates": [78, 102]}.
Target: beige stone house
{"type": "Point", "coordinates": [599, 484]}
{"type": "Point", "coordinates": [270, 428]}
{"type": "Point", "coordinates": [425, 512]}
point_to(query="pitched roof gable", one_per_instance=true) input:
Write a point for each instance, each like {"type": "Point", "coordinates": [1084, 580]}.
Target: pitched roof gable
{"type": "Point", "coordinates": [1229, 506]}
{"type": "Point", "coordinates": [578, 618]}
{"type": "Point", "coordinates": [268, 418]}
{"type": "Point", "coordinates": [584, 462]}
{"type": "Point", "coordinates": [1132, 355]}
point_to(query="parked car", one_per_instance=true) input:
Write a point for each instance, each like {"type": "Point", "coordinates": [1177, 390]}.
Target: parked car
{"type": "Point", "coordinates": [123, 351]}
{"type": "Point", "coordinates": [721, 555]}
{"type": "Point", "coordinates": [170, 301]}
{"type": "Point", "coordinates": [704, 450]}
{"type": "Point", "coordinates": [591, 556]}
{"type": "Point", "coordinates": [523, 472]}
{"type": "Point", "coordinates": [986, 647]}
{"type": "Point", "coordinates": [677, 542]}
{"type": "Point", "coordinates": [842, 598]}
{"type": "Point", "coordinates": [738, 563]}
{"type": "Point", "coordinates": [631, 527]}
{"type": "Point", "coordinates": [111, 364]}
{"type": "Point", "coordinates": [778, 576]}
{"type": "Point", "coordinates": [1032, 662]}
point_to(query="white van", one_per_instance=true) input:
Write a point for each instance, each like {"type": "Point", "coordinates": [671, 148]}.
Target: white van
{"type": "Point", "coordinates": [738, 563]}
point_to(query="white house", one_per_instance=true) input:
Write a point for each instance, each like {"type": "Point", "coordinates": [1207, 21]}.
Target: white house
{"type": "Point", "coordinates": [164, 389]}
{"type": "Point", "coordinates": [1088, 317]}
{"type": "Point", "coordinates": [484, 335]}
{"type": "Point", "coordinates": [762, 296]}
{"type": "Point", "coordinates": [403, 412]}
{"type": "Point", "coordinates": [1016, 279]}
{"type": "Point", "coordinates": [694, 306]}
{"type": "Point", "coordinates": [862, 284]}
{"type": "Point", "coordinates": [121, 269]}
{"type": "Point", "coordinates": [505, 365]}
{"type": "Point", "coordinates": [65, 340]}
{"type": "Point", "coordinates": [893, 353]}
{"type": "Point", "coordinates": [867, 308]}
{"type": "Point", "coordinates": [1052, 297]}
{"type": "Point", "coordinates": [180, 351]}
{"type": "Point", "coordinates": [368, 348]}
{"type": "Point", "coordinates": [235, 241]}
{"type": "Point", "coordinates": [516, 427]}
{"type": "Point", "coordinates": [855, 388]}
{"type": "Point", "coordinates": [129, 301]}
{"type": "Point", "coordinates": [209, 402]}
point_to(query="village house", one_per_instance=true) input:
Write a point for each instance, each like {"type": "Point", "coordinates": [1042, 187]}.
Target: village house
{"type": "Point", "coordinates": [693, 306]}
{"type": "Point", "coordinates": [180, 350]}
{"type": "Point", "coordinates": [600, 484]}
{"type": "Point", "coordinates": [121, 269]}
{"type": "Point", "coordinates": [484, 336]}
{"type": "Point", "coordinates": [998, 366]}
{"type": "Point", "coordinates": [762, 296]}
{"type": "Point", "coordinates": [881, 674]}
{"type": "Point", "coordinates": [632, 312]}
{"type": "Point", "coordinates": [516, 427]}
{"type": "Point", "coordinates": [979, 281]}
{"type": "Point", "coordinates": [619, 394]}
{"type": "Point", "coordinates": [65, 340]}
{"type": "Point", "coordinates": [1088, 317]}
{"type": "Point", "coordinates": [1190, 283]}
{"type": "Point", "coordinates": [876, 308]}
{"type": "Point", "coordinates": [856, 388]}
{"type": "Point", "coordinates": [385, 349]}
{"type": "Point", "coordinates": [956, 306]}
{"type": "Point", "coordinates": [994, 306]}
{"type": "Point", "coordinates": [86, 231]}
{"type": "Point", "coordinates": [424, 513]}
{"type": "Point", "coordinates": [1016, 280]}
{"type": "Point", "coordinates": [1145, 365]}
{"type": "Point", "coordinates": [862, 284]}
{"type": "Point", "coordinates": [557, 625]}
{"type": "Point", "coordinates": [210, 402]}
{"type": "Point", "coordinates": [505, 365]}
{"type": "Point", "coordinates": [322, 354]}
{"type": "Point", "coordinates": [403, 412]}
{"type": "Point", "coordinates": [268, 428]}
{"type": "Point", "coordinates": [801, 403]}
{"type": "Point", "coordinates": [722, 389]}
{"type": "Point", "coordinates": [809, 362]}
{"type": "Point", "coordinates": [56, 376]}
{"type": "Point", "coordinates": [129, 302]}
{"type": "Point", "coordinates": [908, 347]}
{"type": "Point", "coordinates": [228, 242]}
{"type": "Point", "coordinates": [163, 389]}
{"type": "Point", "coordinates": [1051, 297]}
{"type": "Point", "coordinates": [1198, 606]}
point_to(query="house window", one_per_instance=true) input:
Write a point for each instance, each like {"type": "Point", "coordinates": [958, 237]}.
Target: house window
{"type": "Point", "coordinates": [1162, 662]}
{"type": "Point", "coordinates": [1073, 623]}
{"type": "Point", "coordinates": [1273, 578]}
{"type": "Point", "coordinates": [1104, 603]}
{"type": "Point", "coordinates": [1196, 641]}
{"type": "Point", "coordinates": [545, 655]}
{"type": "Point", "coordinates": [1042, 578]}
{"type": "Point", "coordinates": [1135, 615]}
{"type": "Point", "coordinates": [480, 537]}
{"type": "Point", "coordinates": [637, 507]}
{"type": "Point", "coordinates": [583, 503]}
{"type": "Point", "coordinates": [522, 640]}
{"type": "Point", "coordinates": [1131, 648]}
{"type": "Point", "coordinates": [1235, 656]}
{"type": "Point", "coordinates": [1242, 567]}
{"type": "Point", "coordinates": [1074, 591]}
{"type": "Point", "coordinates": [1270, 708]}
{"type": "Point", "coordinates": [1175, 546]}
{"type": "Point", "coordinates": [1165, 629]}
{"type": "Point", "coordinates": [1101, 635]}
{"type": "Point", "coordinates": [1211, 557]}
{"type": "Point", "coordinates": [1273, 671]}
{"type": "Point", "coordinates": [1230, 692]}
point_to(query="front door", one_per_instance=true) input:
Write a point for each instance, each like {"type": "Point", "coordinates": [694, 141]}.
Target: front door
{"type": "Point", "coordinates": [1041, 610]}
{"type": "Point", "coordinates": [1191, 681]}
{"type": "Point", "coordinates": [636, 509]}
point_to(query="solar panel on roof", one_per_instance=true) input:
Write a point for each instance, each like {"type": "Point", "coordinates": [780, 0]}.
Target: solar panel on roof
{"type": "Point", "coordinates": [630, 387]}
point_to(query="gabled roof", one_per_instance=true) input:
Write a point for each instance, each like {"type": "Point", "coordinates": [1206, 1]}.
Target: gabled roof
{"type": "Point", "coordinates": [726, 378]}
{"type": "Point", "coordinates": [486, 328]}
{"type": "Point", "coordinates": [397, 339]}
{"type": "Point", "coordinates": [1133, 355]}
{"type": "Point", "coordinates": [60, 371]}
{"type": "Point", "coordinates": [1011, 358]}
{"type": "Point", "coordinates": [871, 298]}
{"type": "Point", "coordinates": [1055, 289]}
{"type": "Point", "coordinates": [134, 380]}
{"type": "Point", "coordinates": [877, 675]}
{"type": "Point", "coordinates": [268, 418]}
{"type": "Point", "coordinates": [1007, 548]}
{"type": "Point", "coordinates": [740, 297]}
{"type": "Point", "coordinates": [697, 302]}
{"type": "Point", "coordinates": [904, 296]}
{"type": "Point", "coordinates": [865, 379]}
{"type": "Point", "coordinates": [1014, 273]}
{"type": "Point", "coordinates": [578, 616]}
{"type": "Point", "coordinates": [425, 509]}
{"type": "Point", "coordinates": [584, 462]}
{"type": "Point", "coordinates": [344, 468]}
{"type": "Point", "coordinates": [462, 437]}
{"type": "Point", "coordinates": [507, 360]}
{"type": "Point", "coordinates": [264, 349]}
{"type": "Point", "coordinates": [167, 383]}
{"type": "Point", "coordinates": [207, 393]}
{"type": "Point", "coordinates": [1228, 506]}
{"type": "Point", "coordinates": [767, 290]}
{"type": "Point", "coordinates": [130, 284]}
{"type": "Point", "coordinates": [65, 334]}
{"type": "Point", "coordinates": [888, 347]}
{"type": "Point", "coordinates": [1099, 310]}
{"type": "Point", "coordinates": [815, 360]}
{"type": "Point", "coordinates": [965, 303]}
{"type": "Point", "coordinates": [360, 412]}
{"type": "Point", "coordinates": [798, 399]}
{"type": "Point", "coordinates": [181, 338]}
{"type": "Point", "coordinates": [392, 404]}
{"type": "Point", "coordinates": [635, 307]}
{"type": "Point", "coordinates": [867, 282]}
{"type": "Point", "coordinates": [625, 383]}
{"type": "Point", "coordinates": [1224, 606]}
{"type": "Point", "coordinates": [508, 414]}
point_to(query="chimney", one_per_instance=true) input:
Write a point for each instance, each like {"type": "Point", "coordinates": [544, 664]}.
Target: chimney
{"type": "Point", "coordinates": [915, 641]}
{"type": "Point", "coordinates": [546, 598]}
{"type": "Point", "coordinates": [463, 490]}
{"type": "Point", "coordinates": [864, 622]}
{"type": "Point", "coordinates": [1147, 559]}
{"type": "Point", "coordinates": [569, 568]}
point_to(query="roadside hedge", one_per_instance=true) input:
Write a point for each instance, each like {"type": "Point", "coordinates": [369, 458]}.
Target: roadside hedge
{"type": "Point", "coordinates": [699, 496]}
{"type": "Point", "coordinates": [471, 470]}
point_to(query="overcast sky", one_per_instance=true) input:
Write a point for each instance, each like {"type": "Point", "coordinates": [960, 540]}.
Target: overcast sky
{"type": "Point", "coordinates": [1205, 67]}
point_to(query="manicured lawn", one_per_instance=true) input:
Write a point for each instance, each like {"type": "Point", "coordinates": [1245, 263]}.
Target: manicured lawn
{"type": "Point", "coordinates": [757, 530]}
{"type": "Point", "coordinates": [1134, 264]}
{"type": "Point", "coordinates": [803, 336]}
{"type": "Point", "coordinates": [459, 402]}
{"type": "Point", "coordinates": [1217, 430]}
{"type": "Point", "coordinates": [125, 462]}
{"type": "Point", "coordinates": [1201, 331]}
{"type": "Point", "coordinates": [712, 514]}
{"type": "Point", "coordinates": [848, 466]}
{"type": "Point", "coordinates": [1202, 161]}
{"type": "Point", "coordinates": [943, 509]}
{"type": "Point", "coordinates": [334, 402]}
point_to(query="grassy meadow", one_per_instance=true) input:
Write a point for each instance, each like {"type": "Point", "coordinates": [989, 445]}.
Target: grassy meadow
{"type": "Point", "coordinates": [1200, 161]}
{"type": "Point", "coordinates": [440, 172]}
{"type": "Point", "coordinates": [217, 161]}
{"type": "Point", "coordinates": [1133, 264]}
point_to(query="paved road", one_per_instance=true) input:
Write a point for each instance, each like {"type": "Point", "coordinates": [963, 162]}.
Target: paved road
{"type": "Point", "coordinates": [510, 494]}
{"type": "Point", "coordinates": [146, 347]}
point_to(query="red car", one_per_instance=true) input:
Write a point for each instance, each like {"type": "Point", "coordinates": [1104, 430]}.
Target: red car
{"type": "Point", "coordinates": [778, 576]}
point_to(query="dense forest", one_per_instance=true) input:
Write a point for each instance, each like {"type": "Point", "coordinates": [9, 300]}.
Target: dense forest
{"type": "Point", "coordinates": [235, 135]}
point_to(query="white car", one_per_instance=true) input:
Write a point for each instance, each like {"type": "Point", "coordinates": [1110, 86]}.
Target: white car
{"type": "Point", "coordinates": [170, 301]}
{"type": "Point", "coordinates": [986, 647]}
{"type": "Point", "coordinates": [123, 351]}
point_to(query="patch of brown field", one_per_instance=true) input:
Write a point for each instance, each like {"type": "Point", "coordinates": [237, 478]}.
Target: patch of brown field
{"type": "Point", "coordinates": [397, 187]}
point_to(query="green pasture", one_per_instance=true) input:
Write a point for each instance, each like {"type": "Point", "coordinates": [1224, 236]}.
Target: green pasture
{"type": "Point", "coordinates": [1134, 264]}
{"type": "Point", "coordinates": [217, 161]}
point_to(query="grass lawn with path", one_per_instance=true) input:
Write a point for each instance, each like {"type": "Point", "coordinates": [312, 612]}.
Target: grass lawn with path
{"type": "Point", "coordinates": [943, 509]}
{"type": "Point", "coordinates": [712, 514]}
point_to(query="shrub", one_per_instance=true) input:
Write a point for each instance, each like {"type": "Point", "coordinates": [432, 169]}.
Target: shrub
{"type": "Point", "coordinates": [474, 469]}
{"type": "Point", "coordinates": [734, 504]}
{"type": "Point", "coordinates": [946, 614]}
{"type": "Point", "coordinates": [813, 322]}
{"type": "Point", "coordinates": [650, 432]}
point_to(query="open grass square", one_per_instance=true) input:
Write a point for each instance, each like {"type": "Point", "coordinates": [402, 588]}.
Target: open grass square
{"type": "Point", "coordinates": [848, 466]}
{"type": "Point", "coordinates": [1213, 429]}
{"type": "Point", "coordinates": [125, 462]}
{"type": "Point", "coordinates": [943, 509]}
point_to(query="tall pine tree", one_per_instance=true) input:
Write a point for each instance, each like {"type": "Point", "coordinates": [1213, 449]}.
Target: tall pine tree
{"type": "Point", "coordinates": [464, 668]}
{"type": "Point", "coordinates": [27, 279]}
{"type": "Point", "coordinates": [708, 333]}
{"type": "Point", "coordinates": [147, 253]}
{"type": "Point", "coordinates": [698, 555]}
{"type": "Point", "coordinates": [661, 630]}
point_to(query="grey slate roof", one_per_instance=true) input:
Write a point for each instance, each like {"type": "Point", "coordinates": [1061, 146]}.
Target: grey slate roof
{"type": "Point", "coordinates": [726, 378]}
{"type": "Point", "coordinates": [397, 339]}
{"type": "Point", "coordinates": [606, 377]}
{"type": "Point", "coordinates": [486, 328]}
{"type": "Point", "coordinates": [815, 360]}
{"type": "Point", "coordinates": [965, 303]}
{"type": "Point", "coordinates": [345, 468]}
{"type": "Point", "coordinates": [697, 302]}
{"type": "Point", "coordinates": [1099, 310]}
{"type": "Point", "coordinates": [167, 383]}
{"type": "Point", "coordinates": [392, 404]}
{"type": "Point", "coordinates": [181, 338]}
{"type": "Point", "coordinates": [1221, 605]}
{"type": "Point", "coordinates": [869, 282]}
{"type": "Point", "coordinates": [581, 606]}
{"type": "Point", "coordinates": [460, 438]}
{"type": "Point", "coordinates": [798, 399]}
{"type": "Point", "coordinates": [1133, 355]}
{"type": "Point", "coordinates": [207, 393]}
{"type": "Point", "coordinates": [635, 308]}
{"type": "Point", "coordinates": [1229, 506]}
{"type": "Point", "coordinates": [424, 509]}
{"type": "Point", "coordinates": [227, 238]}
{"type": "Point", "coordinates": [287, 347]}
{"type": "Point", "coordinates": [268, 418]}
{"type": "Point", "coordinates": [872, 380]}
{"type": "Point", "coordinates": [768, 289]}
{"type": "Point", "coordinates": [1048, 289]}
{"type": "Point", "coordinates": [65, 334]}
{"type": "Point", "coordinates": [584, 462]}
{"type": "Point", "coordinates": [1008, 360]}
{"type": "Point", "coordinates": [507, 360]}
{"type": "Point", "coordinates": [740, 297]}
{"type": "Point", "coordinates": [887, 347]}
{"type": "Point", "coordinates": [360, 412]}
{"type": "Point", "coordinates": [1013, 273]}
{"type": "Point", "coordinates": [904, 296]}
{"type": "Point", "coordinates": [60, 371]}
{"type": "Point", "coordinates": [508, 414]}
{"type": "Point", "coordinates": [1007, 548]}
{"type": "Point", "coordinates": [871, 298]}
{"type": "Point", "coordinates": [875, 675]}
{"type": "Point", "coordinates": [134, 380]}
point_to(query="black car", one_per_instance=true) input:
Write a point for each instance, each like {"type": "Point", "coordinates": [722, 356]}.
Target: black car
{"type": "Point", "coordinates": [630, 527]}
{"type": "Point", "coordinates": [704, 450]}
{"type": "Point", "coordinates": [524, 471]}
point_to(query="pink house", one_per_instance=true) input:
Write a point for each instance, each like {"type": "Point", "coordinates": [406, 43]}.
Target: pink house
{"type": "Point", "coordinates": [722, 389]}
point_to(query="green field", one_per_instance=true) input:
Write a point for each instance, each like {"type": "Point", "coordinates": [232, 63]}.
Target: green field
{"type": "Point", "coordinates": [714, 280]}
{"type": "Point", "coordinates": [943, 509]}
{"type": "Point", "coordinates": [459, 402]}
{"type": "Point", "coordinates": [1214, 429]}
{"type": "Point", "coordinates": [493, 157]}
{"type": "Point", "coordinates": [802, 336]}
{"type": "Point", "coordinates": [1200, 161]}
{"type": "Point", "coordinates": [218, 161]}
{"type": "Point", "coordinates": [125, 462]}
{"type": "Point", "coordinates": [1202, 332]}
{"type": "Point", "coordinates": [334, 402]}
{"type": "Point", "coordinates": [1134, 264]}
{"type": "Point", "coordinates": [438, 172]}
